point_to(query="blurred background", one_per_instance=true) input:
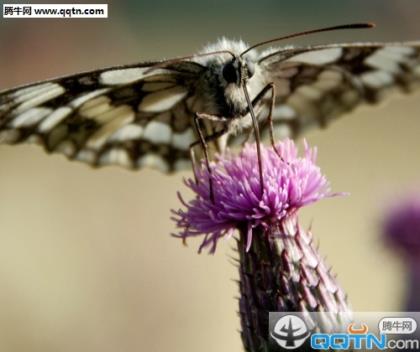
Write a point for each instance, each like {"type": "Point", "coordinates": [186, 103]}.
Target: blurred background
{"type": "Point", "coordinates": [86, 258]}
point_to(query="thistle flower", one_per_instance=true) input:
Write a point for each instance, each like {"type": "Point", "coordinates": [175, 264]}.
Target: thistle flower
{"type": "Point", "coordinates": [279, 267]}
{"type": "Point", "coordinates": [401, 231]}
{"type": "Point", "coordinates": [290, 182]}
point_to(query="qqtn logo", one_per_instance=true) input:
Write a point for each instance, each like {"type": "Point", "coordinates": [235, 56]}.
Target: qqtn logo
{"type": "Point", "coordinates": [290, 332]}
{"type": "Point", "coordinates": [356, 338]}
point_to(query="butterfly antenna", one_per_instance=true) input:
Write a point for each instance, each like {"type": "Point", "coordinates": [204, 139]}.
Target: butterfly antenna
{"type": "Point", "coordinates": [179, 59]}
{"type": "Point", "coordinates": [319, 30]}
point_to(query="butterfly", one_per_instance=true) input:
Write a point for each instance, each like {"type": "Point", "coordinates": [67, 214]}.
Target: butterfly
{"type": "Point", "coordinates": [152, 114]}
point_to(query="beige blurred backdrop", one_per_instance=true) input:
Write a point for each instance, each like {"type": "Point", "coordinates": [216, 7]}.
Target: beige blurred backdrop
{"type": "Point", "coordinates": [86, 258]}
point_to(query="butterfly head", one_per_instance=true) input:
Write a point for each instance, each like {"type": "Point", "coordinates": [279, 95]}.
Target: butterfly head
{"type": "Point", "coordinates": [238, 70]}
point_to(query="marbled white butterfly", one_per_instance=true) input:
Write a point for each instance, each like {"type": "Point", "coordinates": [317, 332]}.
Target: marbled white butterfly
{"type": "Point", "coordinates": [149, 114]}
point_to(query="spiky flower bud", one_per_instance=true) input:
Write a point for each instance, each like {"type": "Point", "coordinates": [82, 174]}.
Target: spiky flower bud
{"type": "Point", "coordinates": [280, 268]}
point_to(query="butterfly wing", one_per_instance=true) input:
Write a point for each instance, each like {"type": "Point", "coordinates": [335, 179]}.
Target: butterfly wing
{"type": "Point", "coordinates": [317, 84]}
{"type": "Point", "coordinates": [130, 115]}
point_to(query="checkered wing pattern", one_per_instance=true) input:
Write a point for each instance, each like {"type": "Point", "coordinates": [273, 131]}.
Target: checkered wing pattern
{"type": "Point", "coordinates": [315, 85]}
{"type": "Point", "coordinates": [131, 116]}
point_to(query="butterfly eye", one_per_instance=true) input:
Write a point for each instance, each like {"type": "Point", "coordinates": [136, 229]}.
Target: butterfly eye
{"type": "Point", "coordinates": [230, 73]}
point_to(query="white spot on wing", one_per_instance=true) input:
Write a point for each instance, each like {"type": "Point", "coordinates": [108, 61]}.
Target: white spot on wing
{"type": "Point", "coordinates": [85, 97]}
{"type": "Point", "coordinates": [66, 147]}
{"type": "Point", "coordinates": [127, 75]}
{"type": "Point", "coordinates": [157, 132]}
{"type": "Point", "coordinates": [162, 100]}
{"type": "Point", "coordinates": [122, 76]}
{"type": "Point", "coordinates": [24, 91]}
{"type": "Point", "coordinates": [383, 62]}
{"type": "Point", "coordinates": [377, 79]}
{"type": "Point", "coordinates": [398, 51]}
{"type": "Point", "coordinates": [30, 117]}
{"type": "Point", "coordinates": [183, 140]}
{"type": "Point", "coordinates": [40, 98]}
{"type": "Point", "coordinates": [153, 161]}
{"type": "Point", "coordinates": [117, 156]}
{"type": "Point", "coordinates": [86, 156]}
{"type": "Point", "coordinates": [54, 119]}
{"type": "Point", "coordinates": [318, 57]}
{"type": "Point", "coordinates": [127, 133]}
{"type": "Point", "coordinates": [27, 93]}
{"type": "Point", "coordinates": [283, 112]}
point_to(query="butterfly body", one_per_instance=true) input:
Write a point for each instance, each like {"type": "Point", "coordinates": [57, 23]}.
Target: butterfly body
{"type": "Point", "coordinates": [220, 87]}
{"type": "Point", "coordinates": [142, 115]}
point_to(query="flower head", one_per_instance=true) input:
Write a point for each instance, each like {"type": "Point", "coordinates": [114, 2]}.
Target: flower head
{"type": "Point", "coordinates": [402, 226]}
{"type": "Point", "coordinates": [289, 183]}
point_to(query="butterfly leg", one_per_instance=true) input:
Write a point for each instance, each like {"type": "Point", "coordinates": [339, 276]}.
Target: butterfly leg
{"type": "Point", "coordinates": [194, 144]}
{"type": "Point", "coordinates": [256, 129]}
{"type": "Point", "coordinates": [203, 140]}
{"type": "Point", "coordinates": [269, 87]}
